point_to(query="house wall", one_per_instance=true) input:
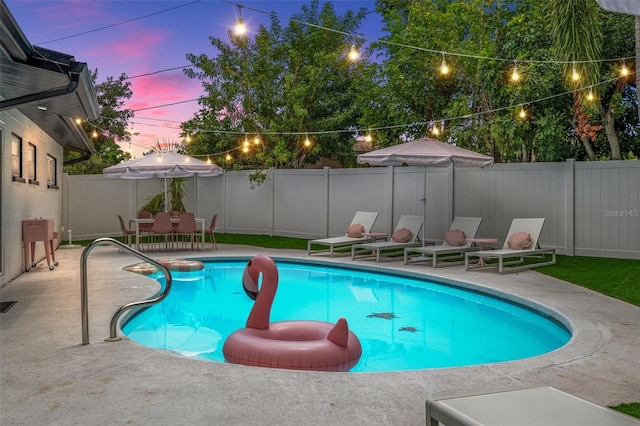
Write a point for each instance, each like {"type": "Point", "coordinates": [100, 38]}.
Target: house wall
{"type": "Point", "coordinates": [25, 200]}
{"type": "Point", "coordinates": [591, 208]}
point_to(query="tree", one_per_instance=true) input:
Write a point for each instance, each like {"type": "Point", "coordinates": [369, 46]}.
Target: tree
{"type": "Point", "coordinates": [482, 42]}
{"type": "Point", "coordinates": [103, 131]}
{"type": "Point", "coordinates": [580, 28]}
{"type": "Point", "coordinates": [276, 90]}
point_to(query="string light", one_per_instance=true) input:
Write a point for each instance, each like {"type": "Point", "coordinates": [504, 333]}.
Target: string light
{"type": "Point", "coordinates": [208, 160]}
{"type": "Point", "coordinates": [94, 134]}
{"type": "Point", "coordinates": [228, 157]}
{"type": "Point", "coordinates": [434, 130]}
{"type": "Point", "coordinates": [78, 120]}
{"type": "Point", "coordinates": [256, 140]}
{"type": "Point", "coordinates": [590, 95]}
{"type": "Point", "coordinates": [574, 73]}
{"type": "Point", "coordinates": [368, 138]}
{"type": "Point", "coordinates": [522, 114]}
{"type": "Point", "coordinates": [307, 142]}
{"type": "Point", "coordinates": [444, 68]}
{"type": "Point", "coordinates": [241, 28]}
{"type": "Point", "coordinates": [624, 71]}
{"type": "Point", "coordinates": [354, 55]}
{"type": "Point", "coordinates": [515, 75]}
{"type": "Point", "coordinates": [188, 138]}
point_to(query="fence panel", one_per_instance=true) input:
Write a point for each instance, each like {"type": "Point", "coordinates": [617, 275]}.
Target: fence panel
{"type": "Point", "coordinates": [590, 208]}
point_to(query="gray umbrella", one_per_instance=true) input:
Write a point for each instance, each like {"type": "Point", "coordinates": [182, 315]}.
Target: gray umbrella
{"type": "Point", "coordinates": [425, 152]}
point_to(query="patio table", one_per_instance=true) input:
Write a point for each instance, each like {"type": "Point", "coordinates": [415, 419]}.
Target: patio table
{"type": "Point", "coordinates": [200, 222]}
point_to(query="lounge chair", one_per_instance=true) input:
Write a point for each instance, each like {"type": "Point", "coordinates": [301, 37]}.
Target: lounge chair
{"type": "Point", "coordinates": [453, 247]}
{"type": "Point", "coordinates": [510, 254]}
{"type": "Point", "coordinates": [411, 223]}
{"type": "Point", "coordinates": [544, 405]}
{"type": "Point", "coordinates": [366, 219]}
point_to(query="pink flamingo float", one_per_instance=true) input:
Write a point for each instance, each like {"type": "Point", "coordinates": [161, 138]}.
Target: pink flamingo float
{"type": "Point", "coordinates": [294, 345]}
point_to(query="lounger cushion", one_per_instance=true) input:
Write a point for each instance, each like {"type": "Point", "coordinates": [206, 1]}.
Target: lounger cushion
{"type": "Point", "coordinates": [402, 235]}
{"type": "Point", "coordinates": [519, 241]}
{"type": "Point", "coordinates": [455, 237]}
{"type": "Point", "coordinates": [355, 230]}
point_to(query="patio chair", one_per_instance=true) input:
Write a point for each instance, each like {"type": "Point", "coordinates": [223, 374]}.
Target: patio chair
{"type": "Point", "coordinates": [514, 252]}
{"type": "Point", "coordinates": [209, 231]}
{"type": "Point", "coordinates": [126, 232]}
{"type": "Point", "coordinates": [453, 247]}
{"type": "Point", "coordinates": [145, 228]}
{"type": "Point", "coordinates": [352, 235]}
{"type": "Point", "coordinates": [406, 234]}
{"type": "Point", "coordinates": [186, 228]}
{"type": "Point", "coordinates": [162, 226]}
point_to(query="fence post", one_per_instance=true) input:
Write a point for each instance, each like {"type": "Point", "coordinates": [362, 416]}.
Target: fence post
{"type": "Point", "coordinates": [570, 219]}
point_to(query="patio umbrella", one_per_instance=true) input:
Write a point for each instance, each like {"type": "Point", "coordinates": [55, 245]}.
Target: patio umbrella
{"type": "Point", "coordinates": [425, 152]}
{"type": "Point", "coordinates": [162, 164]}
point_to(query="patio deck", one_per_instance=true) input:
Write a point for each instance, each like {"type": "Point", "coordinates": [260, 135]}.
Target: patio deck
{"type": "Point", "coordinates": [48, 377]}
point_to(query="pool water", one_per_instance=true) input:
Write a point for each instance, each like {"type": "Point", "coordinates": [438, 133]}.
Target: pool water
{"type": "Point", "coordinates": [403, 323]}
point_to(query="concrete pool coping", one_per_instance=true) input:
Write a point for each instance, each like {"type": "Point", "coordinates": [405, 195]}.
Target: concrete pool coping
{"type": "Point", "coordinates": [48, 377]}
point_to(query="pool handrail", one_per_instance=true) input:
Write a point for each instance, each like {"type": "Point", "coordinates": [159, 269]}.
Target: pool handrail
{"type": "Point", "coordinates": [84, 297]}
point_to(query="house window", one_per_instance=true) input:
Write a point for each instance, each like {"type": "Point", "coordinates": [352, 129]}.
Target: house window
{"type": "Point", "coordinates": [16, 158]}
{"type": "Point", "coordinates": [31, 164]}
{"type": "Point", "coordinates": [52, 172]}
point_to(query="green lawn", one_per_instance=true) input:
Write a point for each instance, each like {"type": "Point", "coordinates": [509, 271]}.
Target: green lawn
{"type": "Point", "coordinates": [619, 278]}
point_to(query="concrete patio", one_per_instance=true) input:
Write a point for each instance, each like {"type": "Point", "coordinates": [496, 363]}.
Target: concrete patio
{"type": "Point", "coordinates": [49, 378]}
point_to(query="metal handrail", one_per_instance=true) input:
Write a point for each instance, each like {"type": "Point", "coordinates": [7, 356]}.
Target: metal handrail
{"type": "Point", "coordinates": [85, 297]}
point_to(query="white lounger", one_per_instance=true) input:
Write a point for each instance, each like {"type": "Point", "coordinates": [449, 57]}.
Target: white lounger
{"type": "Point", "coordinates": [545, 405]}
{"type": "Point", "coordinates": [508, 256]}
{"type": "Point", "coordinates": [366, 219]}
{"type": "Point", "coordinates": [449, 255]}
{"type": "Point", "coordinates": [412, 223]}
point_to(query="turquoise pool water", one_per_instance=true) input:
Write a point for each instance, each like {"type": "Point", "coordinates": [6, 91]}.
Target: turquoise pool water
{"type": "Point", "coordinates": [403, 323]}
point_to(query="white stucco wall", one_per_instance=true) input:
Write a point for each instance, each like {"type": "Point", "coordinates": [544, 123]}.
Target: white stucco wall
{"type": "Point", "coordinates": [20, 200]}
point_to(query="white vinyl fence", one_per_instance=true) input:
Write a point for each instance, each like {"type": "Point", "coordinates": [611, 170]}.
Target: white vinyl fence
{"type": "Point", "coordinates": [591, 208]}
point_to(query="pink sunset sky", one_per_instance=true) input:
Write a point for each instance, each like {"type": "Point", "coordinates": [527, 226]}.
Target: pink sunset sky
{"type": "Point", "coordinates": [144, 37]}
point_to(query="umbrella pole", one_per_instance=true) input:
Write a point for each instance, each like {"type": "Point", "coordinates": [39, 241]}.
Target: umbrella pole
{"type": "Point", "coordinates": [166, 201]}
{"type": "Point", "coordinates": [424, 206]}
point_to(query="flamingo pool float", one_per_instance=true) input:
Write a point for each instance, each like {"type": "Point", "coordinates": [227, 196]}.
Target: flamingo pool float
{"type": "Point", "coordinates": [295, 345]}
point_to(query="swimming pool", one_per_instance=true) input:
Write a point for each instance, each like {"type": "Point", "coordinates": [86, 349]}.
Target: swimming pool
{"type": "Point", "coordinates": [403, 323]}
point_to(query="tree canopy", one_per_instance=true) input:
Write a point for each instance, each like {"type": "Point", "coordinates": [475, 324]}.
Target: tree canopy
{"type": "Point", "coordinates": [103, 131]}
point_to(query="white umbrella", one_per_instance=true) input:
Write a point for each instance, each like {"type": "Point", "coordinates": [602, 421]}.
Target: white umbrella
{"type": "Point", "coordinates": [162, 164]}
{"type": "Point", "coordinates": [425, 152]}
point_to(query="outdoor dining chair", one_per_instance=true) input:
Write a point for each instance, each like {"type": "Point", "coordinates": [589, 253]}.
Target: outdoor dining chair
{"type": "Point", "coordinates": [209, 231]}
{"type": "Point", "coordinates": [162, 227]}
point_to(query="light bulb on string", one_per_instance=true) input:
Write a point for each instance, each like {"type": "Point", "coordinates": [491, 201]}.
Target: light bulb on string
{"type": "Point", "coordinates": [256, 140]}
{"type": "Point", "coordinates": [434, 130]}
{"type": "Point", "coordinates": [188, 138]}
{"type": "Point", "coordinates": [444, 68]}
{"type": "Point", "coordinates": [590, 95]}
{"type": "Point", "coordinates": [515, 75]}
{"type": "Point", "coordinates": [368, 138]}
{"type": "Point", "coordinates": [241, 28]}
{"type": "Point", "coordinates": [228, 157]}
{"type": "Point", "coordinates": [94, 134]}
{"type": "Point", "coordinates": [208, 160]}
{"type": "Point", "coordinates": [78, 120]}
{"type": "Point", "coordinates": [575, 76]}
{"type": "Point", "coordinates": [354, 55]}
{"type": "Point", "coordinates": [624, 71]}
{"type": "Point", "coordinates": [523, 113]}
{"type": "Point", "coordinates": [246, 143]}
{"type": "Point", "coordinates": [307, 142]}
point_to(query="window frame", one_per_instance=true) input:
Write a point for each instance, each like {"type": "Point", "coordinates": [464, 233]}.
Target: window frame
{"type": "Point", "coordinates": [52, 172]}
{"type": "Point", "coordinates": [16, 175]}
{"type": "Point", "coordinates": [32, 164]}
